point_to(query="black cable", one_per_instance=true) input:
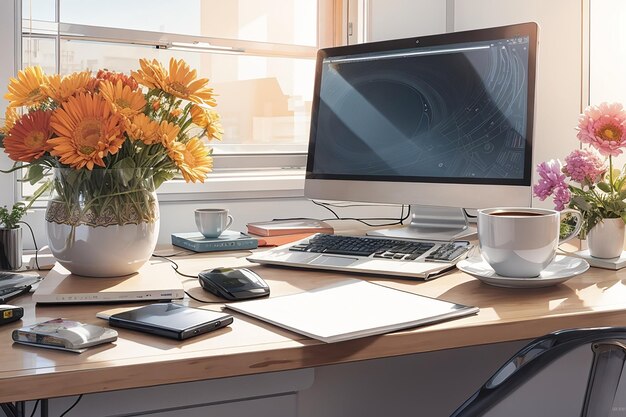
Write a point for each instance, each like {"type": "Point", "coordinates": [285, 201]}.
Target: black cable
{"type": "Point", "coordinates": [203, 301]}
{"type": "Point", "coordinates": [72, 406]}
{"type": "Point", "coordinates": [183, 252]}
{"type": "Point", "coordinates": [366, 220]}
{"type": "Point", "coordinates": [175, 267]}
{"type": "Point", "coordinates": [34, 408]}
{"type": "Point", "coordinates": [34, 243]}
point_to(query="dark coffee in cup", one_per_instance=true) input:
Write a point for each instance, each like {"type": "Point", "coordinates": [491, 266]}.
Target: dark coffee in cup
{"type": "Point", "coordinates": [516, 214]}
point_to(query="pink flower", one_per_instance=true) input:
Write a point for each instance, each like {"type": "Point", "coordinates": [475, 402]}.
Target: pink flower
{"type": "Point", "coordinates": [604, 128]}
{"type": "Point", "coordinates": [584, 167]}
{"type": "Point", "coordinates": [552, 182]}
{"type": "Point", "coordinates": [551, 178]}
{"type": "Point", "coordinates": [562, 197]}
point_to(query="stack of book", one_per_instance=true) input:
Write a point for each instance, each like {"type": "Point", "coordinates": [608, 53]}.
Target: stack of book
{"type": "Point", "coordinates": [280, 232]}
{"type": "Point", "coordinates": [228, 240]}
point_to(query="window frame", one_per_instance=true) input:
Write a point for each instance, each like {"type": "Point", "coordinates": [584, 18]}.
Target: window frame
{"type": "Point", "coordinates": [240, 175]}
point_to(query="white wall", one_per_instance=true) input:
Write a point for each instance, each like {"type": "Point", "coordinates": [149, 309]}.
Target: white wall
{"type": "Point", "coordinates": [395, 19]}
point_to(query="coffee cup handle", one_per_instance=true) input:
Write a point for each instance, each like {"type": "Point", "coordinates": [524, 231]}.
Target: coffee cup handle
{"type": "Point", "coordinates": [579, 223]}
{"type": "Point", "coordinates": [230, 221]}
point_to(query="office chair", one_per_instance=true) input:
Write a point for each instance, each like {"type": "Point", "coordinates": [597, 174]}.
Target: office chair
{"type": "Point", "coordinates": [608, 346]}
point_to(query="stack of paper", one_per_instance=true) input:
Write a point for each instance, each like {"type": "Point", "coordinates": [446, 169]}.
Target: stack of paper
{"type": "Point", "coordinates": [350, 309]}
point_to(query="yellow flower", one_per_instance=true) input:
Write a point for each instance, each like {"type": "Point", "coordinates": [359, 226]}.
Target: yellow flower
{"type": "Point", "coordinates": [144, 129]}
{"type": "Point", "coordinates": [26, 89]}
{"type": "Point", "coordinates": [87, 131]}
{"type": "Point", "coordinates": [182, 83]}
{"type": "Point", "coordinates": [11, 116]}
{"type": "Point", "coordinates": [122, 98]}
{"type": "Point", "coordinates": [151, 74]}
{"type": "Point", "coordinates": [208, 120]}
{"type": "Point", "coordinates": [60, 88]}
{"type": "Point", "coordinates": [193, 159]}
{"type": "Point", "coordinates": [28, 138]}
{"type": "Point", "coordinates": [167, 133]}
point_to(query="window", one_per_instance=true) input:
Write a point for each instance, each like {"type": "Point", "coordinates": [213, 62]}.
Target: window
{"type": "Point", "coordinates": [258, 54]}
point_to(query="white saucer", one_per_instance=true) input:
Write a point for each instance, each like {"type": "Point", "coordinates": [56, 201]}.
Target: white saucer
{"type": "Point", "coordinates": [560, 270]}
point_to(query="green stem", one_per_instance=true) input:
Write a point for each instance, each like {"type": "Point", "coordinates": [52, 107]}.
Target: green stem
{"type": "Point", "coordinates": [611, 175]}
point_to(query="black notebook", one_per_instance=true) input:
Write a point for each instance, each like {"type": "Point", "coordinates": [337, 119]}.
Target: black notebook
{"type": "Point", "coordinates": [171, 320]}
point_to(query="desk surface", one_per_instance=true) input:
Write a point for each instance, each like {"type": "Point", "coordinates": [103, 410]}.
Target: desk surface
{"type": "Point", "coordinates": [249, 346]}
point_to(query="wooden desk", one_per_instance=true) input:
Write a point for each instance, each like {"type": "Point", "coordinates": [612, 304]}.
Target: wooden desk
{"type": "Point", "coordinates": [596, 298]}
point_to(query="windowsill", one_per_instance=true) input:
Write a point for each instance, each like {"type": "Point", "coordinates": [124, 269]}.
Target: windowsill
{"type": "Point", "coordinates": [238, 184]}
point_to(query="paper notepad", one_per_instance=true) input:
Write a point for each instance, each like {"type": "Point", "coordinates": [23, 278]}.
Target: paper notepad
{"type": "Point", "coordinates": [350, 309]}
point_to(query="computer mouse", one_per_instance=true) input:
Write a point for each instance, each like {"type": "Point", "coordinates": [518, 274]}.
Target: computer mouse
{"type": "Point", "coordinates": [233, 284]}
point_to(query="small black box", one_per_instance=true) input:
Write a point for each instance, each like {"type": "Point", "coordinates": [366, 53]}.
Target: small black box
{"type": "Point", "coordinates": [9, 313]}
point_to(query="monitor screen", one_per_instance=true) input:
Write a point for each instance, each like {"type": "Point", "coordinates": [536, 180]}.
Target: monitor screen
{"type": "Point", "coordinates": [435, 120]}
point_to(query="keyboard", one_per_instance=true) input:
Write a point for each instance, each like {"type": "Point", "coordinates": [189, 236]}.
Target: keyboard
{"type": "Point", "coordinates": [374, 255]}
{"type": "Point", "coordinates": [403, 250]}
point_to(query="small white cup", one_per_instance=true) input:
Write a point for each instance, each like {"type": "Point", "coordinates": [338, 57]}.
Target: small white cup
{"type": "Point", "coordinates": [212, 222]}
{"type": "Point", "coordinates": [521, 242]}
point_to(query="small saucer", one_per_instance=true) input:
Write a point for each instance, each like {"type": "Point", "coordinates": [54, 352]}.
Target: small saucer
{"type": "Point", "coordinates": [560, 270]}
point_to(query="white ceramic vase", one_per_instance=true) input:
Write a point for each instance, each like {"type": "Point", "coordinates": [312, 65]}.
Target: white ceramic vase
{"type": "Point", "coordinates": [606, 239]}
{"type": "Point", "coordinates": [103, 223]}
{"type": "Point", "coordinates": [102, 251]}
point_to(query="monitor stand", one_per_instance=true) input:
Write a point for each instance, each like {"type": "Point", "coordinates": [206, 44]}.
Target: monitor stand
{"type": "Point", "coordinates": [432, 223]}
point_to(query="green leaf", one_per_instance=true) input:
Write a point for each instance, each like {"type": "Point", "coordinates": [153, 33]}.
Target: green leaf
{"type": "Point", "coordinates": [604, 187]}
{"type": "Point", "coordinates": [127, 166]}
{"type": "Point", "coordinates": [581, 203]}
{"type": "Point", "coordinates": [46, 186]}
{"type": "Point", "coordinates": [160, 177]}
{"type": "Point", "coordinates": [34, 174]}
{"type": "Point", "coordinates": [10, 218]}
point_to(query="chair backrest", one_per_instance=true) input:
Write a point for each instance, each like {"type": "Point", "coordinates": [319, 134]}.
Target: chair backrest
{"type": "Point", "coordinates": [608, 346]}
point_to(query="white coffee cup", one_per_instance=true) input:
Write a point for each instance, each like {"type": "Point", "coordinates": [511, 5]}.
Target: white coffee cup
{"type": "Point", "coordinates": [212, 222]}
{"type": "Point", "coordinates": [521, 241]}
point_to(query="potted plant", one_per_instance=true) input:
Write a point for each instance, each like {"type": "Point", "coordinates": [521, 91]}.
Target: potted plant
{"type": "Point", "coordinates": [589, 182]}
{"type": "Point", "coordinates": [11, 236]}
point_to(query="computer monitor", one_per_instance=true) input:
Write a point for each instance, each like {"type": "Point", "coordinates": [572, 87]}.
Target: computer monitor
{"type": "Point", "coordinates": [440, 122]}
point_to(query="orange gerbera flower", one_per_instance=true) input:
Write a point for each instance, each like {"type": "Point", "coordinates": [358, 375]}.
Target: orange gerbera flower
{"type": "Point", "coordinates": [167, 133]}
{"type": "Point", "coordinates": [60, 88]}
{"type": "Point", "coordinates": [144, 129]}
{"type": "Point", "coordinates": [122, 98]}
{"type": "Point", "coordinates": [181, 82]}
{"type": "Point", "coordinates": [151, 74]}
{"type": "Point", "coordinates": [208, 120]}
{"type": "Point", "coordinates": [26, 89]}
{"type": "Point", "coordinates": [10, 117]}
{"type": "Point", "coordinates": [114, 77]}
{"type": "Point", "coordinates": [28, 138]}
{"type": "Point", "coordinates": [87, 131]}
{"type": "Point", "coordinates": [192, 158]}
